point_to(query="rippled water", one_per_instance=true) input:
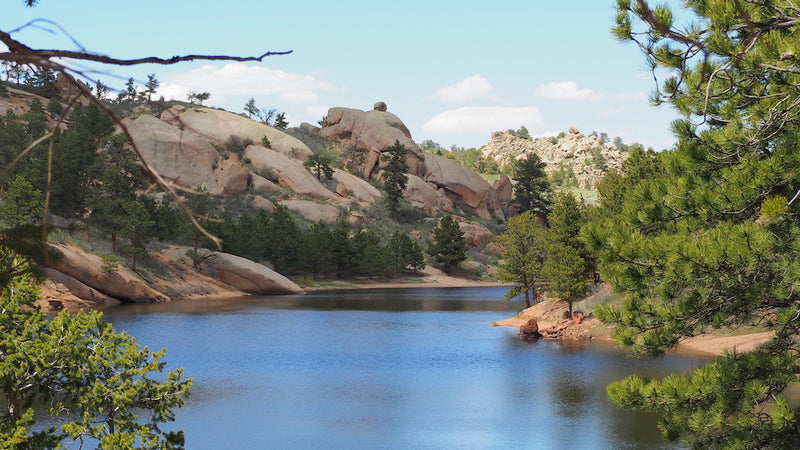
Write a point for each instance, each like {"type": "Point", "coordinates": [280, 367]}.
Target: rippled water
{"type": "Point", "coordinates": [406, 368]}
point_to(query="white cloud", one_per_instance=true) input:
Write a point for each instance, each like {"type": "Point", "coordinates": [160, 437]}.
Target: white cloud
{"type": "Point", "coordinates": [237, 79]}
{"type": "Point", "coordinates": [566, 90]}
{"type": "Point", "coordinates": [469, 88]}
{"type": "Point", "coordinates": [477, 119]}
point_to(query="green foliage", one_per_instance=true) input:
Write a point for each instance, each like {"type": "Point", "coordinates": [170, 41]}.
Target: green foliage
{"type": "Point", "coordinates": [96, 382]}
{"type": "Point", "coordinates": [566, 271]}
{"type": "Point", "coordinates": [238, 144]}
{"type": "Point", "coordinates": [525, 243]}
{"type": "Point", "coordinates": [522, 133]}
{"type": "Point", "coordinates": [114, 198]}
{"type": "Point", "coordinates": [404, 254]}
{"type": "Point", "coordinates": [395, 174]}
{"type": "Point", "coordinates": [321, 164]}
{"type": "Point", "coordinates": [280, 121]}
{"type": "Point", "coordinates": [706, 235]}
{"type": "Point", "coordinates": [448, 248]}
{"type": "Point", "coordinates": [265, 142]}
{"type": "Point", "coordinates": [110, 262]}
{"type": "Point", "coordinates": [531, 188]}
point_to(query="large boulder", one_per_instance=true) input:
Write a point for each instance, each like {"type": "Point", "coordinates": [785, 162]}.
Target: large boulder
{"type": "Point", "coordinates": [463, 186]}
{"type": "Point", "coordinates": [423, 196]}
{"type": "Point", "coordinates": [372, 132]}
{"type": "Point", "coordinates": [476, 235]}
{"type": "Point", "coordinates": [312, 211]}
{"type": "Point", "coordinates": [180, 156]}
{"type": "Point", "coordinates": [119, 283]}
{"type": "Point", "coordinates": [248, 276]}
{"type": "Point", "coordinates": [354, 187]}
{"type": "Point", "coordinates": [218, 125]}
{"type": "Point", "coordinates": [232, 177]}
{"type": "Point", "coordinates": [288, 173]}
{"type": "Point", "coordinates": [78, 289]}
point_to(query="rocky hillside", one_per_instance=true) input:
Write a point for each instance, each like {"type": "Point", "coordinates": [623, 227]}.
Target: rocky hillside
{"type": "Point", "coordinates": [582, 158]}
{"type": "Point", "coordinates": [231, 156]}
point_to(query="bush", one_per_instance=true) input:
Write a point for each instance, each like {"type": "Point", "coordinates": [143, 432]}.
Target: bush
{"type": "Point", "coordinates": [237, 144]}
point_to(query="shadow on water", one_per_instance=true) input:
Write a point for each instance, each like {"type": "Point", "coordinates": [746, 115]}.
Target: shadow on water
{"type": "Point", "coordinates": [390, 300]}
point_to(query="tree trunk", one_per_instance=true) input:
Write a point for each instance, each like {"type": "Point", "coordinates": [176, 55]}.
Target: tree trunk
{"type": "Point", "coordinates": [528, 298]}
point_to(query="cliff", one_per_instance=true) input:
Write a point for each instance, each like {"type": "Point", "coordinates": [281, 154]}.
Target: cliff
{"type": "Point", "coordinates": [584, 158]}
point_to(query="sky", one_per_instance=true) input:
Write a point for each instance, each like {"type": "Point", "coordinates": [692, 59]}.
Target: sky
{"type": "Point", "coordinates": [452, 71]}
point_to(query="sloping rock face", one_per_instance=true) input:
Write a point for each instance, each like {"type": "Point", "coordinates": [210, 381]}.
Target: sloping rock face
{"type": "Point", "coordinates": [354, 187]}
{"type": "Point", "coordinates": [121, 283]}
{"type": "Point", "coordinates": [312, 211]}
{"type": "Point", "coordinates": [287, 172]}
{"type": "Point", "coordinates": [219, 126]}
{"type": "Point", "coordinates": [180, 156]}
{"type": "Point", "coordinates": [371, 132]}
{"type": "Point", "coordinates": [463, 186]}
{"type": "Point", "coordinates": [586, 156]}
{"type": "Point", "coordinates": [248, 276]}
{"type": "Point", "coordinates": [78, 289]}
{"type": "Point", "coordinates": [423, 196]}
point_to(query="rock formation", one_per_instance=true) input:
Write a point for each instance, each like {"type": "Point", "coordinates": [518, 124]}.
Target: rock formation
{"type": "Point", "coordinates": [463, 186]}
{"type": "Point", "coordinates": [218, 126]}
{"type": "Point", "coordinates": [371, 133]}
{"type": "Point", "coordinates": [248, 276]}
{"type": "Point", "coordinates": [119, 283]}
{"type": "Point", "coordinates": [587, 157]}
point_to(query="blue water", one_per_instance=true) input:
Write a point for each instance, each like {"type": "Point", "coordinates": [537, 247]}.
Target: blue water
{"type": "Point", "coordinates": [407, 368]}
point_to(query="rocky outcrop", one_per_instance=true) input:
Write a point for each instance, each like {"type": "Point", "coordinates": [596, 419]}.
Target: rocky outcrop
{"type": "Point", "coordinates": [218, 125]}
{"type": "Point", "coordinates": [312, 211]}
{"type": "Point", "coordinates": [530, 330]}
{"type": "Point", "coordinates": [476, 235]}
{"type": "Point", "coordinates": [423, 196]}
{"type": "Point", "coordinates": [180, 156]}
{"type": "Point", "coordinates": [232, 177]}
{"type": "Point", "coordinates": [247, 275]}
{"type": "Point", "coordinates": [78, 289]}
{"type": "Point", "coordinates": [351, 186]}
{"type": "Point", "coordinates": [119, 283]}
{"type": "Point", "coordinates": [371, 133]}
{"type": "Point", "coordinates": [463, 186]}
{"type": "Point", "coordinates": [286, 172]}
{"type": "Point", "coordinates": [586, 157]}
{"type": "Point", "coordinates": [505, 192]}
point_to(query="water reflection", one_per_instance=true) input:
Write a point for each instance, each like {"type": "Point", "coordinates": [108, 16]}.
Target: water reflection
{"type": "Point", "coordinates": [408, 368]}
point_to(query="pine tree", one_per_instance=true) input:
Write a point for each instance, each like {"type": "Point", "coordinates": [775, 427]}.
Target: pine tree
{"type": "Point", "coordinates": [712, 241]}
{"type": "Point", "coordinates": [395, 175]}
{"type": "Point", "coordinates": [449, 248]}
{"type": "Point", "coordinates": [531, 188]}
{"type": "Point", "coordinates": [525, 242]}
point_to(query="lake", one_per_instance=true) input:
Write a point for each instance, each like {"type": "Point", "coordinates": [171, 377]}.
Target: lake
{"type": "Point", "coordinates": [389, 368]}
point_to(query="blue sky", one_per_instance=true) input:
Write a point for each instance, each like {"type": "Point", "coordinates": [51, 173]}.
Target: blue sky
{"type": "Point", "coordinates": [452, 71]}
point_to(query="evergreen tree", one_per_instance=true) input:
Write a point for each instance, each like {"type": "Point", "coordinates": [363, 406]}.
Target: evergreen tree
{"type": "Point", "coordinates": [531, 188]}
{"type": "Point", "coordinates": [95, 382]}
{"type": "Point", "coordinates": [395, 175]}
{"type": "Point", "coordinates": [713, 240]}
{"type": "Point", "coordinates": [115, 189]}
{"type": "Point", "coordinates": [151, 86]}
{"type": "Point", "coordinates": [525, 243]}
{"type": "Point", "coordinates": [404, 254]}
{"type": "Point", "coordinates": [566, 271]}
{"type": "Point", "coordinates": [449, 248]}
{"type": "Point", "coordinates": [321, 164]}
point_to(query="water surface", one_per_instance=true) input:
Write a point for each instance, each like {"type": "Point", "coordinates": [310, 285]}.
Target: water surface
{"type": "Point", "coordinates": [399, 368]}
